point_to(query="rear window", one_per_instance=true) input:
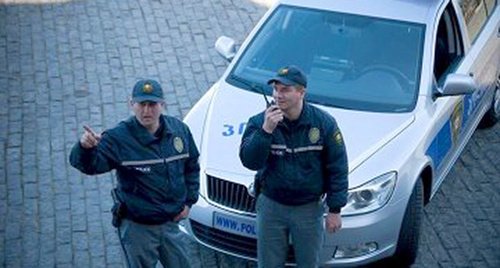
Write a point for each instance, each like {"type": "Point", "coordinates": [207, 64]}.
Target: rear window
{"type": "Point", "coordinates": [476, 13]}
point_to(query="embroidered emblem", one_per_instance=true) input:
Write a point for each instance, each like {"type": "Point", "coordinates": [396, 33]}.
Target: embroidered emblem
{"type": "Point", "coordinates": [147, 88]}
{"type": "Point", "coordinates": [314, 135]}
{"type": "Point", "coordinates": [337, 136]}
{"type": "Point", "coordinates": [283, 71]}
{"type": "Point", "coordinates": [178, 144]}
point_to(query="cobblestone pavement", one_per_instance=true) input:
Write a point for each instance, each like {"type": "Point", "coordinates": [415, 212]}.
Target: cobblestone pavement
{"type": "Point", "coordinates": [63, 65]}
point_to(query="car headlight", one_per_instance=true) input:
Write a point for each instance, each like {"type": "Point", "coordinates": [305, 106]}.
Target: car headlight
{"type": "Point", "coordinates": [371, 195]}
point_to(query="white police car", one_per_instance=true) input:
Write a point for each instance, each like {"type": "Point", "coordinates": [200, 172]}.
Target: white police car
{"type": "Point", "coordinates": [408, 83]}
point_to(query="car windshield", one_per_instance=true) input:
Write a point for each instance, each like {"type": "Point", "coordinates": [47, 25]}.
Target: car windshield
{"type": "Point", "coordinates": [352, 62]}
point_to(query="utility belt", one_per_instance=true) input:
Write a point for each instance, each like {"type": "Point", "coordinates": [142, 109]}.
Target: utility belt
{"type": "Point", "coordinates": [119, 212]}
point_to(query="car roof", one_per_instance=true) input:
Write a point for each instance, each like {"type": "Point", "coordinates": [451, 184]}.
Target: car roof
{"type": "Point", "coordinates": [418, 11]}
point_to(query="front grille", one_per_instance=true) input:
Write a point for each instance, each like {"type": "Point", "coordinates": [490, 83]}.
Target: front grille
{"type": "Point", "coordinates": [230, 194]}
{"type": "Point", "coordinates": [229, 242]}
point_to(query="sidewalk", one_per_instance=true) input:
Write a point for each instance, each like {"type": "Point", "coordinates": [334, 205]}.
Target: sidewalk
{"type": "Point", "coordinates": [63, 65]}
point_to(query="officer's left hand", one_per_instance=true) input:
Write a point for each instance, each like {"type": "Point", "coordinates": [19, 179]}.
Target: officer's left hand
{"type": "Point", "coordinates": [333, 222]}
{"type": "Point", "coordinates": [182, 215]}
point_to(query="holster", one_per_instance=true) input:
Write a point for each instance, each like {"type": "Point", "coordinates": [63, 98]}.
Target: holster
{"type": "Point", "coordinates": [118, 210]}
{"type": "Point", "coordinates": [256, 188]}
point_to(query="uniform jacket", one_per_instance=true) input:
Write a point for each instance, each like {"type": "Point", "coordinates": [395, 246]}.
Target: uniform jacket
{"type": "Point", "coordinates": [300, 160]}
{"type": "Point", "coordinates": [157, 174]}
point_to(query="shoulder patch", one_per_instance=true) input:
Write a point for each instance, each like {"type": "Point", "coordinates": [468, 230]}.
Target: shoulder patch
{"type": "Point", "coordinates": [337, 137]}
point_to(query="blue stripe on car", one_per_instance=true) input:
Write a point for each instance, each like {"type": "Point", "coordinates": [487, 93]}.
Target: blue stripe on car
{"type": "Point", "coordinates": [441, 145]}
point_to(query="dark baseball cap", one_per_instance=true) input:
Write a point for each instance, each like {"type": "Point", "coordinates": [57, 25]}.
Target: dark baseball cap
{"type": "Point", "coordinates": [290, 76]}
{"type": "Point", "coordinates": [147, 90]}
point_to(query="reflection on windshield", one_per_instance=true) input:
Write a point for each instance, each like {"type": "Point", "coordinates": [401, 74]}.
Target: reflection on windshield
{"type": "Point", "coordinates": [352, 62]}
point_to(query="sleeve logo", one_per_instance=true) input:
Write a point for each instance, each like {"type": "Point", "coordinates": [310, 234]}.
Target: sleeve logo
{"type": "Point", "coordinates": [337, 136]}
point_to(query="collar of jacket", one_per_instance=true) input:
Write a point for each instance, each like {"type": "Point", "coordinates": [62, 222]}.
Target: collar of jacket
{"type": "Point", "coordinates": [143, 135]}
{"type": "Point", "coordinates": [304, 118]}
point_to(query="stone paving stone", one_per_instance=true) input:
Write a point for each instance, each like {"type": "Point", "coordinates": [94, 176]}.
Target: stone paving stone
{"type": "Point", "coordinates": [471, 252]}
{"type": "Point", "coordinates": [3, 202]}
{"type": "Point", "coordinates": [12, 251]}
{"type": "Point", "coordinates": [425, 258]}
{"type": "Point", "coordinates": [13, 228]}
{"type": "Point", "coordinates": [64, 255]}
{"type": "Point", "coordinates": [2, 246]}
{"type": "Point", "coordinates": [81, 259]}
{"type": "Point", "coordinates": [491, 256]}
{"type": "Point", "coordinates": [30, 207]}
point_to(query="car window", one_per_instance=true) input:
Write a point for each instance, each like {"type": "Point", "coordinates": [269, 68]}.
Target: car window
{"type": "Point", "coordinates": [475, 14]}
{"type": "Point", "coordinates": [352, 61]}
{"type": "Point", "coordinates": [449, 45]}
{"type": "Point", "coordinates": [490, 6]}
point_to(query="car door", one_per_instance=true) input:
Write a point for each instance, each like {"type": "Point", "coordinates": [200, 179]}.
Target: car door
{"type": "Point", "coordinates": [464, 46]}
{"type": "Point", "coordinates": [481, 29]}
{"type": "Point", "coordinates": [448, 110]}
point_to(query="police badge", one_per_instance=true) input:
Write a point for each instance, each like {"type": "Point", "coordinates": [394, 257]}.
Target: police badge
{"type": "Point", "coordinates": [178, 144]}
{"type": "Point", "coordinates": [314, 135]}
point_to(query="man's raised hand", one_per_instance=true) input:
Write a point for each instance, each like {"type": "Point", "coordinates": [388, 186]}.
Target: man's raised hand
{"type": "Point", "coordinates": [89, 139]}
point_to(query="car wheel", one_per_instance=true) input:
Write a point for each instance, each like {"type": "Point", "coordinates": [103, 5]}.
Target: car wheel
{"type": "Point", "coordinates": [493, 114]}
{"type": "Point", "coordinates": [406, 251]}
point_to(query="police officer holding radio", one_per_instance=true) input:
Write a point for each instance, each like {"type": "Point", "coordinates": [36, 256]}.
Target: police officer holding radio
{"type": "Point", "coordinates": [156, 163]}
{"type": "Point", "coordinates": [299, 153]}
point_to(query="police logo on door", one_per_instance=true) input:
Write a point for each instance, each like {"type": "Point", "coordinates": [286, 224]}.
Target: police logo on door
{"type": "Point", "coordinates": [456, 121]}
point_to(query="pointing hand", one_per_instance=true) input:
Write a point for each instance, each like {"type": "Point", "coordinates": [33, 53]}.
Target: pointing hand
{"type": "Point", "coordinates": [89, 138]}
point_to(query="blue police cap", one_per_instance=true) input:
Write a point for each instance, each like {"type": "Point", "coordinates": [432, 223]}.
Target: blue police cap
{"type": "Point", "coordinates": [290, 76]}
{"type": "Point", "coordinates": [147, 90]}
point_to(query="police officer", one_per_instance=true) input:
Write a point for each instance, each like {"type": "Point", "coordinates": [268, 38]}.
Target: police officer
{"type": "Point", "coordinates": [156, 163]}
{"type": "Point", "coordinates": [299, 154]}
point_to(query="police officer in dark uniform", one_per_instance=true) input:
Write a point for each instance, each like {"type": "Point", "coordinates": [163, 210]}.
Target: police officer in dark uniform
{"type": "Point", "coordinates": [156, 163]}
{"type": "Point", "coordinates": [299, 154]}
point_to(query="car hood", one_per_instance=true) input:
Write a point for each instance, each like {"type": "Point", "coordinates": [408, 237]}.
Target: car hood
{"type": "Point", "coordinates": [364, 132]}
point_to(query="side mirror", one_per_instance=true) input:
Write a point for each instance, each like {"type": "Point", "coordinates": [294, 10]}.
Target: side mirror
{"type": "Point", "coordinates": [225, 47]}
{"type": "Point", "coordinates": [457, 84]}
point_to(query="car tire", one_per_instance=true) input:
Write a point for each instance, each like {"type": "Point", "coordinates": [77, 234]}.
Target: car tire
{"type": "Point", "coordinates": [409, 235]}
{"type": "Point", "coordinates": [493, 114]}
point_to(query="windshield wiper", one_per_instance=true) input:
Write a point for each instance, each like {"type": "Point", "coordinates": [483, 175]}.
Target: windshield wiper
{"type": "Point", "coordinates": [252, 86]}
